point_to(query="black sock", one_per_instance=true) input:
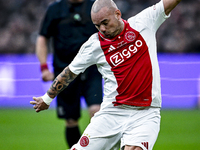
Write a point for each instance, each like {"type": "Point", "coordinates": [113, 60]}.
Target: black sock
{"type": "Point", "coordinates": [72, 135]}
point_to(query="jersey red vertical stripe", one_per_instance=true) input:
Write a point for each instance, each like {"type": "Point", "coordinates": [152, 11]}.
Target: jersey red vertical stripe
{"type": "Point", "coordinates": [128, 56]}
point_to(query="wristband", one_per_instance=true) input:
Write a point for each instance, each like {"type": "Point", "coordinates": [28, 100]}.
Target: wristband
{"type": "Point", "coordinates": [43, 67]}
{"type": "Point", "coordinates": [47, 99]}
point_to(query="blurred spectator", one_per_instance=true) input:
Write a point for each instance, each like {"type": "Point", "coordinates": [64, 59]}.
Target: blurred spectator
{"type": "Point", "coordinates": [19, 21]}
{"type": "Point", "coordinates": [19, 24]}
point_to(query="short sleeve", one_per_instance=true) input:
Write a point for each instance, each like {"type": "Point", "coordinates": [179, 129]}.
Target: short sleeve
{"type": "Point", "coordinates": [85, 57]}
{"type": "Point", "coordinates": [46, 27]}
{"type": "Point", "coordinates": [152, 17]}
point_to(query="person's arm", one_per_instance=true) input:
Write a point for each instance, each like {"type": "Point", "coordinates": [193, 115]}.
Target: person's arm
{"type": "Point", "coordinates": [41, 52]}
{"type": "Point", "coordinates": [42, 49]}
{"type": "Point", "coordinates": [59, 84]}
{"type": "Point", "coordinates": [169, 5]}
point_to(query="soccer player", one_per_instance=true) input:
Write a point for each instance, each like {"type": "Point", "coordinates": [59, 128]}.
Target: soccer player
{"type": "Point", "coordinates": [126, 55]}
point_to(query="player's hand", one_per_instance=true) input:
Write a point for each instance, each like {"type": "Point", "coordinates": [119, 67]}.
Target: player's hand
{"type": "Point", "coordinates": [47, 75]}
{"type": "Point", "coordinates": [39, 104]}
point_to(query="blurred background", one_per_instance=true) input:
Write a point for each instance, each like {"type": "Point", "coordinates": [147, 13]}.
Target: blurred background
{"type": "Point", "coordinates": [20, 20]}
{"type": "Point", "coordinates": [20, 78]}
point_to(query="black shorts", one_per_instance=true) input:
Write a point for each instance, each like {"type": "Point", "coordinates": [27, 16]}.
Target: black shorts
{"type": "Point", "coordinates": [88, 85]}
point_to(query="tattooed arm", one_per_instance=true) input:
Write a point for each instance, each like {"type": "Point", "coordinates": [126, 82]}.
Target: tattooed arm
{"type": "Point", "coordinates": [59, 84]}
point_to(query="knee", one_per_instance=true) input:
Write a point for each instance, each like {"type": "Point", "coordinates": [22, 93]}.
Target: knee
{"type": "Point", "coordinates": [128, 147]}
{"type": "Point", "coordinates": [138, 148]}
{"type": "Point", "coordinates": [93, 109]}
{"type": "Point", "coordinates": [71, 123]}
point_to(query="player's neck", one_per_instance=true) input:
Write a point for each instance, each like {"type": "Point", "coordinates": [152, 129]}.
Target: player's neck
{"type": "Point", "coordinates": [121, 27]}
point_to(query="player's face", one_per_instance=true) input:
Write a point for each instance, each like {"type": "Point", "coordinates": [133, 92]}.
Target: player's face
{"type": "Point", "coordinates": [108, 22]}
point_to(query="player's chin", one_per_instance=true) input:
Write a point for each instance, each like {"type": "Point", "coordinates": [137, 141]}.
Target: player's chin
{"type": "Point", "coordinates": [109, 36]}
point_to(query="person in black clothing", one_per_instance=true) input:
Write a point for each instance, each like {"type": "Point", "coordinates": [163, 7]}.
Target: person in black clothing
{"type": "Point", "coordinates": [68, 24]}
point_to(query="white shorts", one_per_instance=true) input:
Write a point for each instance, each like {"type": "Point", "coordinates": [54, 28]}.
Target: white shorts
{"type": "Point", "coordinates": [110, 130]}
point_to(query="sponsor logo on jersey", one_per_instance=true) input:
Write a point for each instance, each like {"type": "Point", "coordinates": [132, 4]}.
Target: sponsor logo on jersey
{"type": "Point", "coordinates": [84, 141]}
{"type": "Point", "coordinates": [130, 36]}
{"type": "Point", "coordinates": [111, 48]}
{"type": "Point", "coordinates": [120, 57]}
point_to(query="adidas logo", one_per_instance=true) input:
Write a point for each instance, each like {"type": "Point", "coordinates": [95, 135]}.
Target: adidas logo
{"type": "Point", "coordinates": [111, 48]}
{"type": "Point", "coordinates": [146, 144]}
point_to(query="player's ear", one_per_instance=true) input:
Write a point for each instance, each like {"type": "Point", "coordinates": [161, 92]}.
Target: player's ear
{"type": "Point", "coordinates": [118, 14]}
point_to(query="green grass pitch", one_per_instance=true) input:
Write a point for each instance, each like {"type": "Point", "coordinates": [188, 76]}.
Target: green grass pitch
{"type": "Point", "coordinates": [23, 129]}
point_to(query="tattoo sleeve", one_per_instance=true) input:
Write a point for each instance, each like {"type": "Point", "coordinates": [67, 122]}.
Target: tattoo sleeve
{"type": "Point", "coordinates": [61, 82]}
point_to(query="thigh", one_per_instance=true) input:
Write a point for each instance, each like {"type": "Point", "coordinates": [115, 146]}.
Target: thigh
{"type": "Point", "coordinates": [103, 133]}
{"type": "Point", "coordinates": [142, 130]}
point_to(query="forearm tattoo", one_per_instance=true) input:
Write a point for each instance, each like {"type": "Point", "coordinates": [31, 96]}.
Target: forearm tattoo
{"type": "Point", "coordinates": [61, 82]}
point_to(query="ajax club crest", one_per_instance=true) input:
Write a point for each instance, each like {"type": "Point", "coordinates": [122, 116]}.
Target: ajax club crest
{"type": "Point", "coordinates": [130, 36]}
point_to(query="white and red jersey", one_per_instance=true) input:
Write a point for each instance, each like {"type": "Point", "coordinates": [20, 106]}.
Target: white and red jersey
{"type": "Point", "coordinates": [128, 62]}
